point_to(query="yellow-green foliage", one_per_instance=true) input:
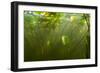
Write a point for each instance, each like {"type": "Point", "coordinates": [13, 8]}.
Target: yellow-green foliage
{"type": "Point", "coordinates": [56, 36]}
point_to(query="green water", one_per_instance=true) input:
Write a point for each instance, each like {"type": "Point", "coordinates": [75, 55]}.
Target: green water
{"type": "Point", "coordinates": [56, 36]}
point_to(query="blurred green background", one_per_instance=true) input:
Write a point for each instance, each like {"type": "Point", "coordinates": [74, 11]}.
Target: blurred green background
{"type": "Point", "coordinates": [56, 36]}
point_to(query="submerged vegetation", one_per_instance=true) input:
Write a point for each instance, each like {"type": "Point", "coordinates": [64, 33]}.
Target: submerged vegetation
{"type": "Point", "coordinates": [56, 36]}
